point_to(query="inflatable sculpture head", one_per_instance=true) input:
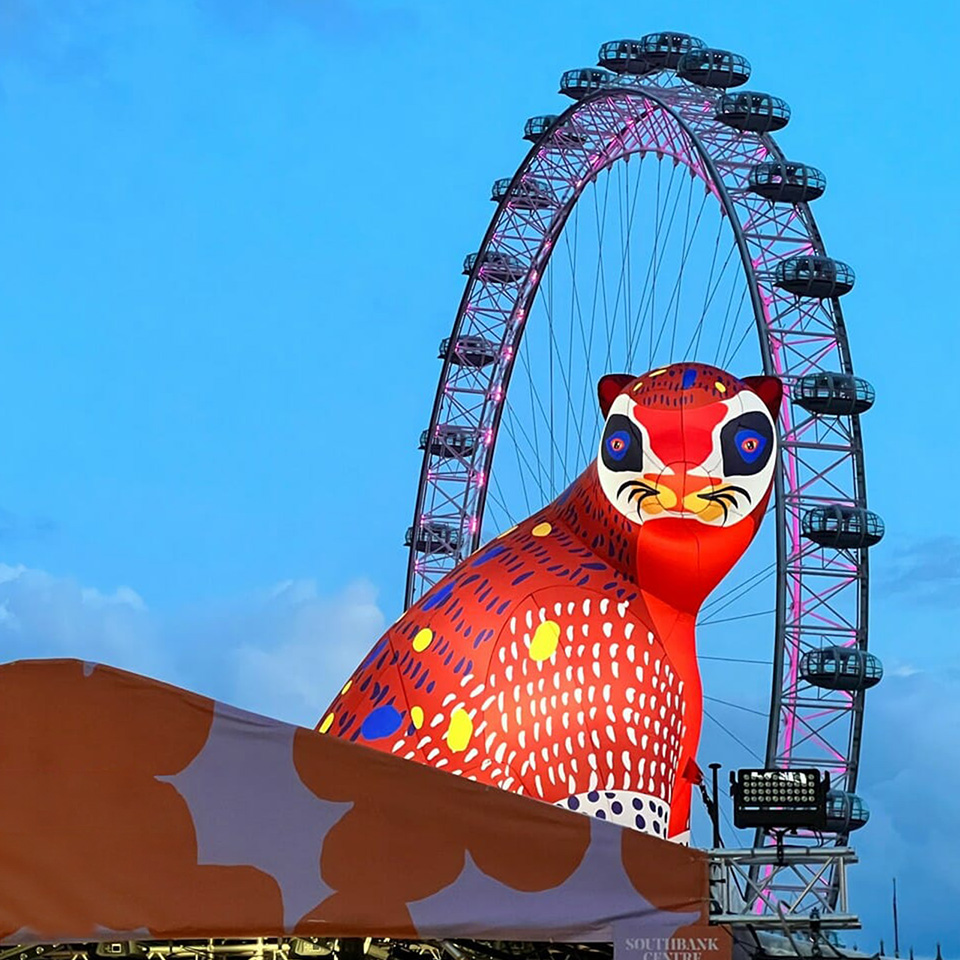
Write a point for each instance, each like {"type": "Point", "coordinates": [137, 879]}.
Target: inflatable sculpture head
{"type": "Point", "coordinates": [687, 456]}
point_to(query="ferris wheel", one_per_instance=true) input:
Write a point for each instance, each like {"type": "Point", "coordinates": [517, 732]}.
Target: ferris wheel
{"type": "Point", "coordinates": [653, 221]}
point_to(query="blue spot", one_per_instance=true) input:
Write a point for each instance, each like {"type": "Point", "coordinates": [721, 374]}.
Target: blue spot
{"type": "Point", "coordinates": [616, 807]}
{"type": "Point", "coordinates": [689, 379]}
{"type": "Point", "coordinates": [640, 822]}
{"type": "Point", "coordinates": [573, 803]}
{"type": "Point", "coordinates": [656, 827]}
{"type": "Point", "coordinates": [374, 653]}
{"type": "Point", "coordinates": [609, 796]}
{"type": "Point", "coordinates": [601, 814]}
{"type": "Point", "coordinates": [488, 555]}
{"type": "Point", "coordinates": [441, 596]}
{"type": "Point", "coordinates": [522, 577]}
{"type": "Point", "coordinates": [593, 796]}
{"type": "Point", "coordinates": [637, 803]}
{"type": "Point", "coordinates": [381, 723]}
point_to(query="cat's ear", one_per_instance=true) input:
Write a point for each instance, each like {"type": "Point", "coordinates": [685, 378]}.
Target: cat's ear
{"type": "Point", "coordinates": [608, 388]}
{"type": "Point", "coordinates": [769, 390]}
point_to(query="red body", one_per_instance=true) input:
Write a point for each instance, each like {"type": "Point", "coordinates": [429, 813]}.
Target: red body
{"type": "Point", "coordinates": [559, 661]}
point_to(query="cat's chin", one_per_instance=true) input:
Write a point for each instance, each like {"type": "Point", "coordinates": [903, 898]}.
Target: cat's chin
{"type": "Point", "coordinates": [682, 560]}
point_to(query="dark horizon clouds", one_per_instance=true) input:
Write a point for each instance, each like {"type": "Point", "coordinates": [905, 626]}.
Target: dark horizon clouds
{"type": "Point", "coordinates": [926, 571]}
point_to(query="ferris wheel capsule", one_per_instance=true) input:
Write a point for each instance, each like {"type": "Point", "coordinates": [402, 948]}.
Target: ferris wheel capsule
{"type": "Point", "coordinates": [819, 277]}
{"type": "Point", "coordinates": [842, 527]}
{"type": "Point", "coordinates": [783, 181]}
{"type": "Point", "coordinates": [835, 394]}
{"type": "Point", "coordinates": [845, 812]}
{"type": "Point", "coordinates": [841, 668]}
{"type": "Point", "coordinates": [625, 56]}
{"type": "Point", "coordinates": [714, 68]}
{"type": "Point", "coordinates": [665, 50]}
{"type": "Point", "coordinates": [753, 112]}
{"type": "Point", "coordinates": [528, 194]}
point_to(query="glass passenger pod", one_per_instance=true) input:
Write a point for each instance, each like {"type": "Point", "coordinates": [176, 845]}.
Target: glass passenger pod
{"type": "Point", "coordinates": [536, 127]}
{"type": "Point", "coordinates": [495, 267]}
{"type": "Point", "coordinates": [433, 537]}
{"type": "Point", "coordinates": [625, 56]}
{"type": "Point", "coordinates": [577, 83]}
{"type": "Point", "coordinates": [814, 276]}
{"type": "Point", "coordinates": [528, 194]}
{"type": "Point", "coordinates": [665, 50]}
{"type": "Point", "coordinates": [450, 441]}
{"type": "Point", "coordinates": [785, 182]}
{"type": "Point", "coordinates": [845, 812]}
{"type": "Point", "coordinates": [714, 68]}
{"type": "Point", "coordinates": [753, 112]}
{"type": "Point", "coordinates": [842, 527]}
{"type": "Point", "coordinates": [470, 351]}
{"type": "Point", "coordinates": [834, 394]}
{"type": "Point", "coordinates": [841, 668]}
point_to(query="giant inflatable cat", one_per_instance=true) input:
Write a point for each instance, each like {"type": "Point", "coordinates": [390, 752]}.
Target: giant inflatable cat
{"type": "Point", "coordinates": [559, 661]}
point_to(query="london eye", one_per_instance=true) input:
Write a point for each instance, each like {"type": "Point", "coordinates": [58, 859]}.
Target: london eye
{"type": "Point", "coordinates": [656, 220]}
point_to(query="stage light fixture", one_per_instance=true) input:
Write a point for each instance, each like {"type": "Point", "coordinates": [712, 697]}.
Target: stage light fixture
{"type": "Point", "coordinates": [780, 799]}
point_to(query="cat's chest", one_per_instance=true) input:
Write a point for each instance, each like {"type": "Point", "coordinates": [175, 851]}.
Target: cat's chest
{"type": "Point", "coordinates": [582, 696]}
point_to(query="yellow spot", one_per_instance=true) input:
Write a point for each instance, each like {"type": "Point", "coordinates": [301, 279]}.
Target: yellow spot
{"type": "Point", "coordinates": [416, 715]}
{"type": "Point", "coordinates": [541, 529]}
{"type": "Point", "coordinates": [346, 687]}
{"type": "Point", "coordinates": [656, 373]}
{"type": "Point", "coordinates": [460, 730]}
{"type": "Point", "coordinates": [720, 387]}
{"type": "Point", "coordinates": [327, 723]}
{"type": "Point", "coordinates": [545, 640]}
{"type": "Point", "coordinates": [637, 386]}
{"type": "Point", "coordinates": [422, 640]}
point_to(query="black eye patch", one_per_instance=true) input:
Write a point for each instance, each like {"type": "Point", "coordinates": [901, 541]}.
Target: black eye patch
{"type": "Point", "coordinates": [746, 444]}
{"type": "Point", "coordinates": [622, 445]}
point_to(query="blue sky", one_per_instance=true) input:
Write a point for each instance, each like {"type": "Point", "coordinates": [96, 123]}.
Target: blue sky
{"type": "Point", "coordinates": [230, 236]}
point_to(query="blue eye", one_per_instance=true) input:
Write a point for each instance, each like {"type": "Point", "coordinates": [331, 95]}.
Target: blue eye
{"type": "Point", "coordinates": [750, 444]}
{"type": "Point", "coordinates": [617, 444]}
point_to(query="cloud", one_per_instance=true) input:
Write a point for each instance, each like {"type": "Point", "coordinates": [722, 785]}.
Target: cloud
{"type": "Point", "coordinates": [302, 646]}
{"type": "Point", "coordinates": [342, 19]}
{"type": "Point", "coordinates": [46, 616]}
{"type": "Point", "coordinates": [911, 781]}
{"type": "Point", "coordinates": [926, 571]}
{"type": "Point", "coordinates": [283, 651]}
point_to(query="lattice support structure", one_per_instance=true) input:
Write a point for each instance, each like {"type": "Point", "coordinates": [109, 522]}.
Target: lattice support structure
{"type": "Point", "coordinates": [793, 892]}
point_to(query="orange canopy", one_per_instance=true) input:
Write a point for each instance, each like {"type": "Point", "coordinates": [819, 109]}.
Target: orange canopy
{"type": "Point", "coordinates": [130, 809]}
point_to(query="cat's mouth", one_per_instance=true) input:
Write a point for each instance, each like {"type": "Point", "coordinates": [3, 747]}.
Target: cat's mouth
{"type": "Point", "coordinates": [708, 499]}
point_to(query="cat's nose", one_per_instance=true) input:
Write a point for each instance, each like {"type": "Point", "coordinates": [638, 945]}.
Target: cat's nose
{"type": "Point", "coordinates": [680, 482]}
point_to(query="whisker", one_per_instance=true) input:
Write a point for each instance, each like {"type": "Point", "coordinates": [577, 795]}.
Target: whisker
{"type": "Point", "coordinates": [732, 488]}
{"type": "Point", "coordinates": [639, 484]}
